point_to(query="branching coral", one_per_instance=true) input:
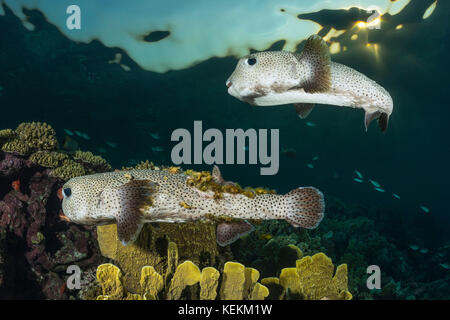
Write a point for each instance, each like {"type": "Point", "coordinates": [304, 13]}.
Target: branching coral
{"type": "Point", "coordinates": [38, 141]}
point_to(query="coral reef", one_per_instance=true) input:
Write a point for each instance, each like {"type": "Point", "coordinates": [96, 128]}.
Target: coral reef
{"type": "Point", "coordinates": [37, 142]}
{"type": "Point", "coordinates": [195, 242]}
{"type": "Point", "coordinates": [186, 282]}
{"type": "Point", "coordinates": [311, 279]}
{"type": "Point", "coordinates": [35, 246]}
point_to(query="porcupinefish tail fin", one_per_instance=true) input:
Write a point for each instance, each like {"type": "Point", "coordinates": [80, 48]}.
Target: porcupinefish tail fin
{"type": "Point", "coordinates": [229, 232]}
{"type": "Point", "coordinates": [128, 202]}
{"type": "Point", "coordinates": [382, 117]}
{"type": "Point", "coordinates": [304, 207]}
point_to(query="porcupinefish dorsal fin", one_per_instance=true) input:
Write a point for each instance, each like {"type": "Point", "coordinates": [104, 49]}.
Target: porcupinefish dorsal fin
{"type": "Point", "coordinates": [217, 177]}
{"type": "Point", "coordinates": [127, 202]}
{"type": "Point", "coordinates": [229, 232]}
{"type": "Point", "coordinates": [317, 56]}
{"type": "Point", "coordinates": [303, 109]}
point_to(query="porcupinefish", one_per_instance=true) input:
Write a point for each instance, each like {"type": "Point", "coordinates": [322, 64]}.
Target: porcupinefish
{"type": "Point", "coordinates": [132, 198]}
{"type": "Point", "coordinates": [304, 79]}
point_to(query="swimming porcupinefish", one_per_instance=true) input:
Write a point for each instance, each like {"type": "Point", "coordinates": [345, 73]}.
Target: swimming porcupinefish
{"type": "Point", "coordinates": [134, 197]}
{"type": "Point", "coordinates": [304, 79]}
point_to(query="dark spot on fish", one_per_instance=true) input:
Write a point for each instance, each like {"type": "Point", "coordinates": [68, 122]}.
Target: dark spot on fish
{"type": "Point", "coordinates": [156, 36]}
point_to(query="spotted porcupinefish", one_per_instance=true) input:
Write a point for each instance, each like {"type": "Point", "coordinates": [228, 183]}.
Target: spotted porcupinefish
{"type": "Point", "coordinates": [132, 198]}
{"type": "Point", "coordinates": [305, 79]}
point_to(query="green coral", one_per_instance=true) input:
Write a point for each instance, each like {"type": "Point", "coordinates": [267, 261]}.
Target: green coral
{"type": "Point", "coordinates": [47, 159]}
{"type": "Point", "coordinates": [37, 136]}
{"type": "Point", "coordinates": [38, 141]}
{"type": "Point", "coordinates": [96, 163]}
{"type": "Point", "coordinates": [16, 146]}
{"type": "Point", "coordinates": [68, 170]}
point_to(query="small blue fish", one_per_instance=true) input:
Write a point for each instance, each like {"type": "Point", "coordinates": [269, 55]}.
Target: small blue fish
{"type": "Point", "coordinates": [425, 209]}
{"type": "Point", "coordinates": [379, 189]}
{"type": "Point", "coordinates": [309, 165]}
{"type": "Point", "coordinates": [310, 124]}
{"type": "Point", "coordinates": [358, 180]}
{"type": "Point", "coordinates": [375, 184]}
{"type": "Point", "coordinates": [101, 150]}
{"type": "Point", "coordinates": [155, 135]}
{"type": "Point", "coordinates": [424, 250]}
{"type": "Point", "coordinates": [157, 149]}
{"type": "Point", "coordinates": [396, 195]}
{"type": "Point", "coordinates": [358, 174]}
{"type": "Point", "coordinates": [414, 247]}
{"type": "Point", "coordinates": [78, 133]}
{"type": "Point", "coordinates": [111, 144]}
{"type": "Point", "coordinates": [68, 132]}
{"type": "Point", "coordinates": [315, 158]}
{"type": "Point", "coordinates": [445, 265]}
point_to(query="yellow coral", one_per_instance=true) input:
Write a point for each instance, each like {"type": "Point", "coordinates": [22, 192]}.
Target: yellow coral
{"type": "Point", "coordinates": [233, 281]}
{"type": "Point", "coordinates": [251, 277]}
{"type": "Point", "coordinates": [109, 277]}
{"type": "Point", "coordinates": [151, 281]}
{"type": "Point", "coordinates": [313, 279]}
{"type": "Point", "coordinates": [259, 292]}
{"type": "Point", "coordinates": [187, 274]}
{"type": "Point", "coordinates": [209, 280]}
{"type": "Point", "coordinates": [290, 280]}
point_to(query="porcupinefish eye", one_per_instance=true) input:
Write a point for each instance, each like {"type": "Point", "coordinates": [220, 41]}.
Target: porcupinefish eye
{"type": "Point", "coordinates": [251, 61]}
{"type": "Point", "coordinates": [67, 192]}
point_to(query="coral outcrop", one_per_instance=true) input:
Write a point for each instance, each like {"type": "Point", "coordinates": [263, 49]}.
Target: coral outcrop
{"type": "Point", "coordinates": [313, 278]}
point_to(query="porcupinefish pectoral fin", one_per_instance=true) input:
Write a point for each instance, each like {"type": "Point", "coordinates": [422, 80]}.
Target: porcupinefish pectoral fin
{"type": "Point", "coordinates": [229, 232]}
{"type": "Point", "coordinates": [369, 117]}
{"type": "Point", "coordinates": [128, 201]}
{"type": "Point", "coordinates": [317, 56]}
{"type": "Point", "coordinates": [303, 109]}
{"type": "Point", "coordinates": [383, 119]}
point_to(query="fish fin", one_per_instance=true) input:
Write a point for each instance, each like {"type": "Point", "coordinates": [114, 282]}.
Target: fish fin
{"type": "Point", "coordinates": [128, 201]}
{"type": "Point", "coordinates": [369, 117]}
{"type": "Point", "coordinates": [304, 207]}
{"type": "Point", "coordinates": [217, 175]}
{"type": "Point", "coordinates": [317, 55]}
{"type": "Point", "coordinates": [383, 121]}
{"type": "Point", "coordinates": [303, 109]}
{"type": "Point", "coordinates": [229, 232]}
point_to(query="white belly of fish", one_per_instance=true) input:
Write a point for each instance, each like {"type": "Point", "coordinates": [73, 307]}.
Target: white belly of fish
{"type": "Point", "coordinates": [300, 96]}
